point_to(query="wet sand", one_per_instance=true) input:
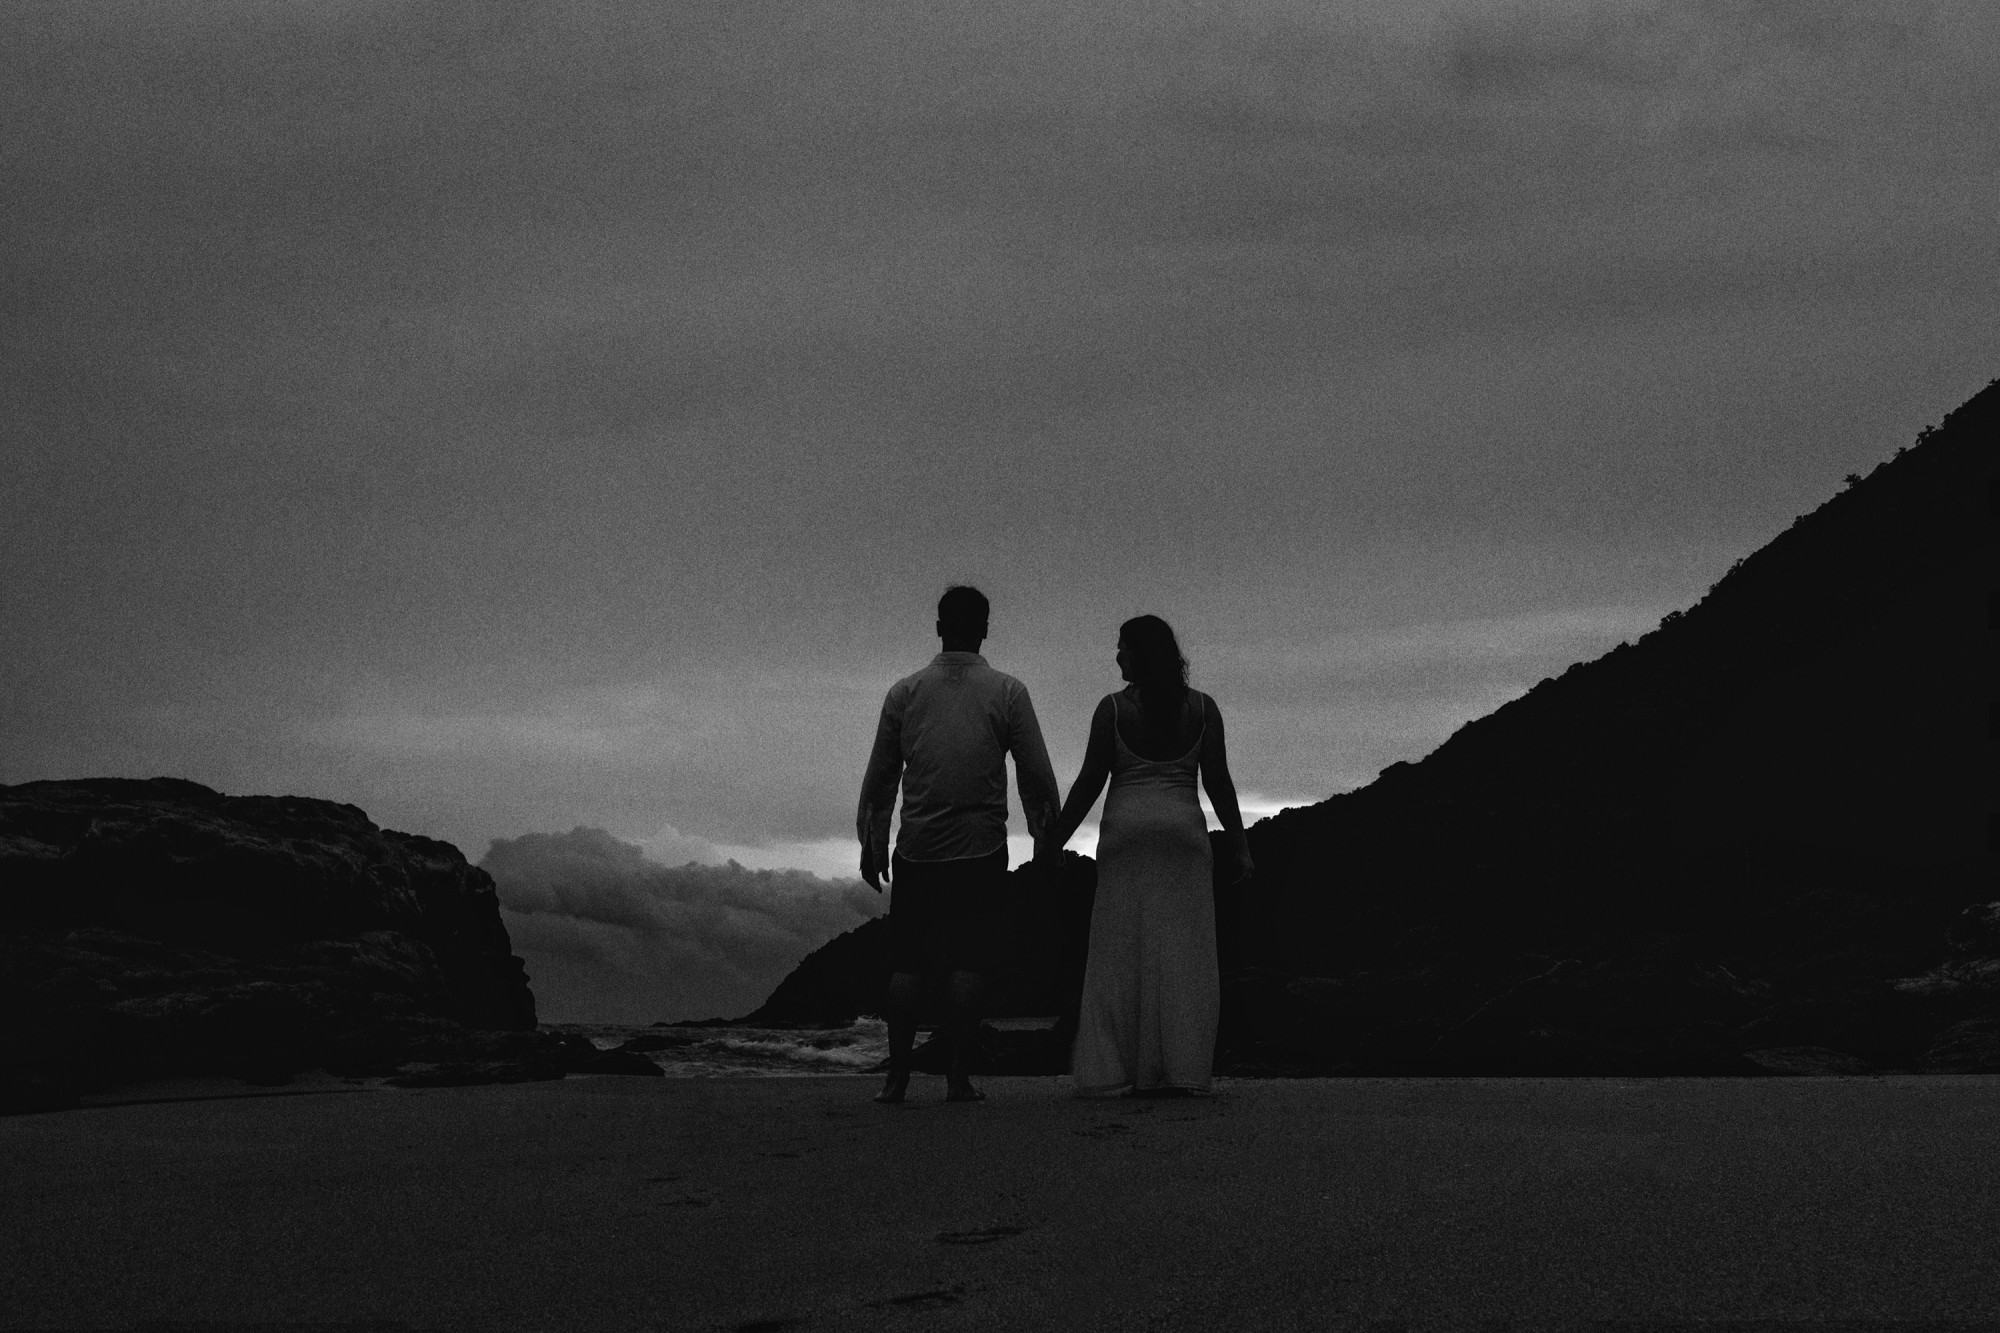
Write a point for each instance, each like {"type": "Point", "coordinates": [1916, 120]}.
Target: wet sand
{"type": "Point", "coordinates": [625, 1203]}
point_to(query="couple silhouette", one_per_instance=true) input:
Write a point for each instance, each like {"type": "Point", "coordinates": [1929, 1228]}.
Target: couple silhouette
{"type": "Point", "coordinates": [1151, 991]}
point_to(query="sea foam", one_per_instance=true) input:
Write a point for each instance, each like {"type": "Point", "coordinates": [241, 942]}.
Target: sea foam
{"type": "Point", "coordinates": [710, 1052]}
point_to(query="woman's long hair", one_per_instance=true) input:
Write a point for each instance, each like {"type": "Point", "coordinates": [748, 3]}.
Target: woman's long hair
{"type": "Point", "coordinates": [1153, 655]}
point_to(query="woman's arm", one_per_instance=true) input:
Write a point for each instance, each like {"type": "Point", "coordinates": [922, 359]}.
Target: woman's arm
{"type": "Point", "coordinates": [1221, 789]}
{"type": "Point", "coordinates": [1090, 779]}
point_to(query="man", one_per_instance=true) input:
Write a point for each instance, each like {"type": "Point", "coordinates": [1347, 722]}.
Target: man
{"type": "Point", "coordinates": [944, 736]}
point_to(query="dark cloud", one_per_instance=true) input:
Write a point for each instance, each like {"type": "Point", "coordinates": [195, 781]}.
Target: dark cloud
{"type": "Point", "coordinates": [610, 936]}
{"type": "Point", "coordinates": [507, 415]}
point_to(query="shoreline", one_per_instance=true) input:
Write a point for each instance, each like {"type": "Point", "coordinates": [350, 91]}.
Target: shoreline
{"type": "Point", "coordinates": [728, 1203]}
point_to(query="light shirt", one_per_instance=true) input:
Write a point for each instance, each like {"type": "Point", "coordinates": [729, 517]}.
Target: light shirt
{"type": "Point", "coordinates": [944, 735]}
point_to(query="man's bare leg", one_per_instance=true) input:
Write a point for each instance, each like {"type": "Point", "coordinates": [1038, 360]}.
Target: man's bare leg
{"type": "Point", "coordinates": [904, 990]}
{"type": "Point", "coordinates": [966, 990]}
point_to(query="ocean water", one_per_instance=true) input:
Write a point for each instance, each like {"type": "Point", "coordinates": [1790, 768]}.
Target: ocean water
{"type": "Point", "coordinates": [734, 1052]}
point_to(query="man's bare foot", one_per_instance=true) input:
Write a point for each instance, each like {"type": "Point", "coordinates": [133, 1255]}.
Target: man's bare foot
{"type": "Point", "coordinates": [894, 1088]}
{"type": "Point", "coordinates": [962, 1090]}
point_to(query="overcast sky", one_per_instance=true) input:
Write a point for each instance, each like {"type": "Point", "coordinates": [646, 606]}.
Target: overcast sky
{"type": "Point", "coordinates": [510, 417]}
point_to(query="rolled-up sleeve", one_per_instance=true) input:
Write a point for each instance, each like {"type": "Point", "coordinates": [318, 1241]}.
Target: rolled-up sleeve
{"type": "Point", "coordinates": [1033, 773]}
{"type": "Point", "coordinates": [884, 774]}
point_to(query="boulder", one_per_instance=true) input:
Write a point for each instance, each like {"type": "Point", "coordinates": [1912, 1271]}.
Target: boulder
{"type": "Point", "coordinates": [657, 1041]}
{"type": "Point", "coordinates": [1806, 1060]}
{"type": "Point", "coordinates": [1970, 975]}
{"type": "Point", "coordinates": [1968, 1047]}
{"type": "Point", "coordinates": [619, 1061]}
{"type": "Point", "coordinates": [1976, 933]}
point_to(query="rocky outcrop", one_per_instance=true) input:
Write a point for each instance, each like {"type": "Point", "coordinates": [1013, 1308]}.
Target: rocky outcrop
{"type": "Point", "coordinates": [1050, 926]}
{"type": "Point", "coordinates": [157, 927]}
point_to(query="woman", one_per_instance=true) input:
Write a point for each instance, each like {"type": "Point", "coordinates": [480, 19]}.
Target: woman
{"type": "Point", "coordinates": [1150, 988]}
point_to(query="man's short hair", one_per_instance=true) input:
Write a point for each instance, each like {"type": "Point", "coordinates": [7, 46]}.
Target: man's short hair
{"type": "Point", "coordinates": [962, 607]}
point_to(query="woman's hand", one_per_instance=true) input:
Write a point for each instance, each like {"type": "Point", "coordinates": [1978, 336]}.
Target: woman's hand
{"type": "Point", "coordinates": [1244, 866]}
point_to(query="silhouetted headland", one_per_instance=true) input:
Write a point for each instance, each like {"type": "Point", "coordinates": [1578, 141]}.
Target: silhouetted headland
{"type": "Point", "coordinates": [157, 928]}
{"type": "Point", "coordinates": [1758, 840]}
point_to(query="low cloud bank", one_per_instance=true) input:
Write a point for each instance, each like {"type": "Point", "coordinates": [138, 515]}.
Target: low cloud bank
{"type": "Point", "coordinates": [612, 936]}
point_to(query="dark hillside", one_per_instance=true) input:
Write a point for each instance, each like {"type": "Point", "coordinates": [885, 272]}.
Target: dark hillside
{"type": "Point", "coordinates": [1793, 777]}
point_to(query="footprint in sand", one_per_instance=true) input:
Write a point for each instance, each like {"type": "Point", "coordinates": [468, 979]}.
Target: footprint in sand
{"type": "Point", "coordinates": [983, 1236]}
{"type": "Point", "coordinates": [921, 1300]}
{"type": "Point", "coordinates": [1104, 1130]}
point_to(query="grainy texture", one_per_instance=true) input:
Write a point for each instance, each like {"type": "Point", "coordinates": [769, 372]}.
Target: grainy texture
{"type": "Point", "coordinates": [1301, 1204]}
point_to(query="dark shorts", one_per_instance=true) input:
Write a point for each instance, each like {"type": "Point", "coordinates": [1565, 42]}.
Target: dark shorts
{"type": "Point", "coordinates": [949, 916]}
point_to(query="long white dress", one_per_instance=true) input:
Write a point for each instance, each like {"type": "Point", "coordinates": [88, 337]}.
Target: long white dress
{"type": "Point", "coordinates": [1151, 986]}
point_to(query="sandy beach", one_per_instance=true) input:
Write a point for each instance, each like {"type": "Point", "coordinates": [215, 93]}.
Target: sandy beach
{"type": "Point", "coordinates": [624, 1203]}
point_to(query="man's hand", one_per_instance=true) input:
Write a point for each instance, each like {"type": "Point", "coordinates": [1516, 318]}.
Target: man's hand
{"type": "Point", "coordinates": [1048, 852]}
{"type": "Point", "coordinates": [874, 866]}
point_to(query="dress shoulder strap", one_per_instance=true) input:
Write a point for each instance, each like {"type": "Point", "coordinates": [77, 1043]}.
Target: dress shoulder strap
{"type": "Point", "coordinates": [1200, 701]}
{"type": "Point", "coordinates": [1115, 699]}
{"type": "Point", "coordinates": [1193, 752]}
